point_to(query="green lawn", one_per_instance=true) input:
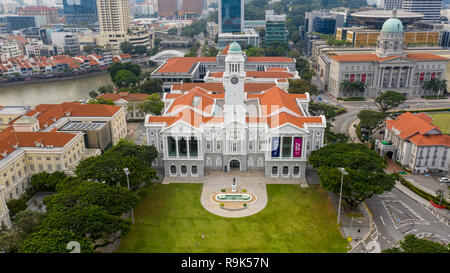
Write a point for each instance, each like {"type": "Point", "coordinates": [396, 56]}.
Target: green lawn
{"type": "Point", "coordinates": [171, 219]}
{"type": "Point", "coordinates": [442, 120]}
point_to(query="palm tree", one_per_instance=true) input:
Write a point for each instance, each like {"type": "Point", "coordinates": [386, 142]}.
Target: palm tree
{"type": "Point", "coordinates": [436, 85]}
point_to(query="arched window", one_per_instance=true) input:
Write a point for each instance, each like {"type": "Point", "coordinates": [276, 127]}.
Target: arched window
{"type": "Point", "coordinates": [274, 170]}
{"type": "Point", "coordinates": [194, 169]}
{"type": "Point", "coordinates": [285, 170]}
{"type": "Point", "coordinates": [173, 169]}
{"type": "Point", "coordinates": [183, 169]}
{"type": "Point", "coordinates": [296, 170]}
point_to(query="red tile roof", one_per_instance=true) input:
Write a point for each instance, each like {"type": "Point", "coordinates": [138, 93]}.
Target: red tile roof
{"type": "Point", "coordinates": [418, 129]}
{"type": "Point", "coordinates": [11, 141]}
{"type": "Point", "coordinates": [270, 59]}
{"type": "Point", "coordinates": [48, 114]}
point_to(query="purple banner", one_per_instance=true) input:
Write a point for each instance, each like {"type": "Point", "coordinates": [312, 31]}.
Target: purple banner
{"type": "Point", "coordinates": [298, 147]}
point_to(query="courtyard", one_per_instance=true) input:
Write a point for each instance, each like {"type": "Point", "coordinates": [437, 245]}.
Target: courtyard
{"type": "Point", "coordinates": [171, 219]}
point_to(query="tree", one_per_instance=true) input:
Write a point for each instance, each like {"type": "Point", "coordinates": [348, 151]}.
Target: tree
{"type": "Point", "coordinates": [85, 219]}
{"type": "Point", "coordinates": [126, 47]}
{"type": "Point", "coordinates": [93, 94]}
{"type": "Point", "coordinates": [153, 104]}
{"type": "Point", "coordinates": [128, 148]}
{"type": "Point", "coordinates": [412, 244]}
{"type": "Point", "coordinates": [45, 181]}
{"type": "Point", "coordinates": [88, 49]}
{"type": "Point", "coordinates": [364, 167]}
{"type": "Point", "coordinates": [255, 51]}
{"type": "Point", "coordinates": [151, 86]}
{"type": "Point", "coordinates": [28, 221]}
{"type": "Point", "coordinates": [301, 87]}
{"type": "Point", "coordinates": [140, 49]}
{"type": "Point", "coordinates": [101, 100]}
{"type": "Point", "coordinates": [389, 100]}
{"type": "Point", "coordinates": [109, 166]}
{"type": "Point", "coordinates": [173, 31]}
{"type": "Point", "coordinates": [125, 78]}
{"type": "Point", "coordinates": [54, 241]}
{"type": "Point", "coordinates": [114, 68]}
{"type": "Point", "coordinates": [349, 88]}
{"type": "Point", "coordinates": [16, 205]}
{"type": "Point", "coordinates": [106, 89]}
{"type": "Point", "coordinates": [74, 192]}
{"type": "Point", "coordinates": [436, 85]}
{"type": "Point", "coordinates": [369, 122]}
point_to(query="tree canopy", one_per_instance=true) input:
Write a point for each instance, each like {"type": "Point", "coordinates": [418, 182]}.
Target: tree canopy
{"type": "Point", "coordinates": [370, 121]}
{"type": "Point", "coordinates": [151, 86]}
{"type": "Point", "coordinates": [301, 86]}
{"type": "Point", "coordinates": [125, 78]}
{"type": "Point", "coordinates": [153, 104]}
{"type": "Point", "coordinates": [412, 244]}
{"type": "Point", "coordinates": [114, 68]}
{"type": "Point", "coordinates": [101, 101]}
{"type": "Point", "coordinates": [109, 166]}
{"type": "Point", "coordinates": [389, 100]}
{"type": "Point", "coordinates": [364, 167]}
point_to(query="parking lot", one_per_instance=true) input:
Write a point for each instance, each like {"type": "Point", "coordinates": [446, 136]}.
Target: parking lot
{"type": "Point", "coordinates": [428, 183]}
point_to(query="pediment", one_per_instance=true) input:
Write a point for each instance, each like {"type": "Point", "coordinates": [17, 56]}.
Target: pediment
{"type": "Point", "coordinates": [181, 127]}
{"type": "Point", "coordinates": [397, 60]}
{"type": "Point", "coordinates": [289, 128]}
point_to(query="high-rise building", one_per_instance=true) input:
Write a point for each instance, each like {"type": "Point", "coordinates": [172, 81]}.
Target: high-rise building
{"type": "Point", "coordinates": [389, 4]}
{"type": "Point", "coordinates": [80, 12]}
{"type": "Point", "coordinates": [192, 7]}
{"type": "Point", "coordinates": [231, 16]}
{"type": "Point", "coordinates": [430, 8]}
{"type": "Point", "coordinates": [114, 21]}
{"type": "Point", "coordinates": [275, 28]}
{"type": "Point", "coordinates": [51, 14]}
{"type": "Point", "coordinates": [323, 21]}
{"type": "Point", "coordinates": [167, 8]}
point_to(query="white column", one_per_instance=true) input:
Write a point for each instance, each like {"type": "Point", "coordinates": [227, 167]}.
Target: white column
{"type": "Point", "coordinates": [399, 76]}
{"type": "Point", "coordinates": [176, 141]}
{"type": "Point", "coordinates": [407, 77]}
{"type": "Point", "coordinates": [390, 77]}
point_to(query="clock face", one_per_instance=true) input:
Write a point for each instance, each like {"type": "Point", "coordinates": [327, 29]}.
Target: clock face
{"type": "Point", "coordinates": [234, 80]}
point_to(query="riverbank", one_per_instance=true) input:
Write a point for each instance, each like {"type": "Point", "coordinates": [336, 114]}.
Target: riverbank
{"type": "Point", "coordinates": [56, 79]}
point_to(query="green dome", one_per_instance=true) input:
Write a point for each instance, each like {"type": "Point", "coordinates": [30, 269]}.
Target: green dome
{"type": "Point", "coordinates": [235, 47]}
{"type": "Point", "coordinates": [392, 25]}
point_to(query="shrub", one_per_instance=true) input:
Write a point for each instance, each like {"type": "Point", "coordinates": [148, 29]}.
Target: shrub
{"type": "Point", "coordinates": [222, 204]}
{"type": "Point", "coordinates": [244, 190]}
{"type": "Point", "coordinates": [16, 205]}
{"type": "Point", "coordinates": [245, 205]}
{"type": "Point", "coordinates": [222, 190]}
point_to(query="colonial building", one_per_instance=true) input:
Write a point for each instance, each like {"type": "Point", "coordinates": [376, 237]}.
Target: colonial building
{"type": "Point", "coordinates": [388, 68]}
{"type": "Point", "coordinates": [235, 125]}
{"type": "Point", "coordinates": [416, 143]}
{"type": "Point", "coordinates": [52, 137]}
{"type": "Point", "coordinates": [197, 69]}
{"type": "Point", "coordinates": [130, 101]}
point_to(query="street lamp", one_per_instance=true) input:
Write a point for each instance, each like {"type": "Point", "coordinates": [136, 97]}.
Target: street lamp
{"type": "Point", "coordinates": [127, 172]}
{"type": "Point", "coordinates": [342, 170]}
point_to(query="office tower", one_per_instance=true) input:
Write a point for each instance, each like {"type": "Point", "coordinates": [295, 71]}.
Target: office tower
{"type": "Point", "coordinates": [275, 28]}
{"type": "Point", "coordinates": [231, 16]}
{"type": "Point", "coordinates": [430, 8]}
{"type": "Point", "coordinates": [80, 12]}
{"type": "Point", "coordinates": [167, 8]}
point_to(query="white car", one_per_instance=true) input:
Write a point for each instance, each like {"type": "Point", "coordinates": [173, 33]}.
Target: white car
{"type": "Point", "coordinates": [444, 180]}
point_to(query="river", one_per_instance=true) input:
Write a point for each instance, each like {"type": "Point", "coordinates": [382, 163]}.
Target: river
{"type": "Point", "coordinates": [52, 92]}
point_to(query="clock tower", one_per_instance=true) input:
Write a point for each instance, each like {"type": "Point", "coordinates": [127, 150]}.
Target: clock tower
{"type": "Point", "coordinates": [234, 76]}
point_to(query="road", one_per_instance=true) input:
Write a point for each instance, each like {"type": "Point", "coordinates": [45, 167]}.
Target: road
{"type": "Point", "coordinates": [397, 215]}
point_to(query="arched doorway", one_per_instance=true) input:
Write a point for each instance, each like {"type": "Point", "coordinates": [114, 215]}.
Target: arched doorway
{"type": "Point", "coordinates": [235, 165]}
{"type": "Point", "coordinates": [390, 154]}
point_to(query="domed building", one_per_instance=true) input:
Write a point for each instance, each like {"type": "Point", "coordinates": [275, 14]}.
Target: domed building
{"type": "Point", "coordinates": [388, 68]}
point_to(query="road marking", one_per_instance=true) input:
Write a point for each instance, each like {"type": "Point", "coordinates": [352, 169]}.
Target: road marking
{"type": "Point", "coordinates": [382, 220]}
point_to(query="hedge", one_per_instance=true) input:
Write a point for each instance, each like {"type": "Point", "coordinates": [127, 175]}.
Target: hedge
{"type": "Point", "coordinates": [424, 110]}
{"type": "Point", "coordinates": [440, 97]}
{"type": "Point", "coordinates": [423, 194]}
{"type": "Point", "coordinates": [352, 99]}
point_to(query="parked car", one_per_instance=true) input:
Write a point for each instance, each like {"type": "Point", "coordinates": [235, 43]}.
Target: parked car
{"type": "Point", "coordinates": [444, 180]}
